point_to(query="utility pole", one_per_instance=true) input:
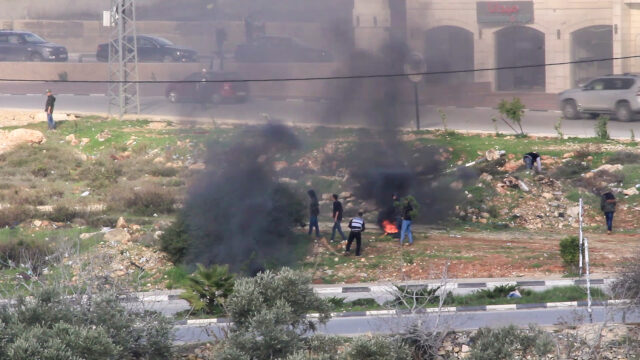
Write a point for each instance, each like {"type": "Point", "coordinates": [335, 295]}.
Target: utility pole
{"type": "Point", "coordinates": [123, 85]}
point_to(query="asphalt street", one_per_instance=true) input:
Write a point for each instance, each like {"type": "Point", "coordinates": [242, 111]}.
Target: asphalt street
{"type": "Point", "coordinates": [448, 321]}
{"type": "Point", "coordinates": [301, 112]}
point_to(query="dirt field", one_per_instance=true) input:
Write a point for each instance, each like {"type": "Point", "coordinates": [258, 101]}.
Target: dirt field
{"type": "Point", "coordinates": [480, 254]}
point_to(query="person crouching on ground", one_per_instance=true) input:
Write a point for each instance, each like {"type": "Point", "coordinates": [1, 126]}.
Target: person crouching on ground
{"type": "Point", "coordinates": [337, 218]}
{"type": "Point", "coordinates": [357, 228]}
{"type": "Point", "coordinates": [530, 158]}
{"type": "Point", "coordinates": [608, 207]}
{"type": "Point", "coordinates": [314, 211]}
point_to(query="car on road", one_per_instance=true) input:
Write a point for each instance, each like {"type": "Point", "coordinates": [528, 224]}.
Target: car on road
{"type": "Point", "coordinates": [27, 46]}
{"type": "Point", "coordinates": [612, 94]}
{"type": "Point", "coordinates": [279, 49]}
{"type": "Point", "coordinates": [208, 86]}
{"type": "Point", "coordinates": [153, 49]}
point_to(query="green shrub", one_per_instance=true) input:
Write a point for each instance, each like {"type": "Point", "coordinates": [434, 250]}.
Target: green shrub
{"type": "Point", "coordinates": [14, 215]}
{"type": "Point", "coordinates": [27, 251]}
{"type": "Point", "coordinates": [151, 200]}
{"type": "Point", "coordinates": [509, 343]}
{"type": "Point", "coordinates": [62, 213]}
{"type": "Point", "coordinates": [602, 132]}
{"type": "Point", "coordinates": [378, 348]}
{"type": "Point", "coordinates": [571, 169]}
{"type": "Point", "coordinates": [500, 291]}
{"type": "Point", "coordinates": [570, 252]}
{"type": "Point", "coordinates": [164, 171]}
{"type": "Point", "coordinates": [624, 158]}
{"type": "Point", "coordinates": [53, 326]}
{"type": "Point", "coordinates": [207, 290]}
{"type": "Point", "coordinates": [269, 315]}
{"type": "Point", "coordinates": [175, 240]}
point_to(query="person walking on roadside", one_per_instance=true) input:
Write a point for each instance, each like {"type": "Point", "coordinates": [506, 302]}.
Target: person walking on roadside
{"type": "Point", "coordinates": [530, 158]}
{"type": "Point", "coordinates": [48, 108]}
{"type": "Point", "coordinates": [407, 216]}
{"type": "Point", "coordinates": [608, 207]}
{"type": "Point", "coordinates": [314, 211]}
{"type": "Point", "coordinates": [357, 228]}
{"type": "Point", "coordinates": [337, 218]}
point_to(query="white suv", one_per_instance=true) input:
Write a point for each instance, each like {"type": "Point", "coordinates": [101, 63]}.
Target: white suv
{"type": "Point", "coordinates": [611, 94]}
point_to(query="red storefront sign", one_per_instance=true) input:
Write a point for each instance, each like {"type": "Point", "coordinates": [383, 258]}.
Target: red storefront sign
{"type": "Point", "coordinates": [505, 12]}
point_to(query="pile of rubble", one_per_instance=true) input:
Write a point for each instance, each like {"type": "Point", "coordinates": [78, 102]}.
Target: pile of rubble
{"type": "Point", "coordinates": [121, 254]}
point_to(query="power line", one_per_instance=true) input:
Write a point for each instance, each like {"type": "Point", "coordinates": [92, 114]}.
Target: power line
{"type": "Point", "coordinates": [318, 78]}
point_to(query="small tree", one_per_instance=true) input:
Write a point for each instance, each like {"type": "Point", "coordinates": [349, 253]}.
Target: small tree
{"type": "Point", "coordinates": [269, 315]}
{"type": "Point", "coordinates": [602, 131]}
{"type": "Point", "coordinates": [513, 111]}
{"type": "Point", "coordinates": [208, 289]}
{"type": "Point", "coordinates": [558, 128]}
{"type": "Point", "coordinates": [175, 240]}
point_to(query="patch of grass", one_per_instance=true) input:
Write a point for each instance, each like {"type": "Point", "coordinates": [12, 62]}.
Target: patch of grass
{"type": "Point", "coordinates": [341, 305]}
{"type": "Point", "coordinates": [557, 294]}
{"type": "Point", "coordinates": [177, 277]}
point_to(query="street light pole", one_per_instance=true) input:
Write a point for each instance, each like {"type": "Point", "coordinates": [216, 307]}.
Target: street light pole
{"type": "Point", "coordinates": [415, 93]}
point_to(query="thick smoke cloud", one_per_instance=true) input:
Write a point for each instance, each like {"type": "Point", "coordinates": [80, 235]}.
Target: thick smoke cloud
{"type": "Point", "coordinates": [382, 163]}
{"type": "Point", "coordinates": [236, 212]}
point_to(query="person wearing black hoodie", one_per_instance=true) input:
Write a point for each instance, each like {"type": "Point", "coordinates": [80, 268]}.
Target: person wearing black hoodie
{"type": "Point", "coordinates": [337, 218]}
{"type": "Point", "coordinates": [608, 207]}
{"type": "Point", "coordinates": [314, 211]}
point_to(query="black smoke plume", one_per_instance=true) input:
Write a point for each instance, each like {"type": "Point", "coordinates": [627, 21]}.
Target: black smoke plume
{"type": "Point", "coordinates": [236, 212]}
{"type": "Point", "coordinates": [382, 163]}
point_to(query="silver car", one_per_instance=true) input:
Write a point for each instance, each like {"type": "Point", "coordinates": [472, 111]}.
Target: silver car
{"type": "Point", "coordinates": [611, 94]}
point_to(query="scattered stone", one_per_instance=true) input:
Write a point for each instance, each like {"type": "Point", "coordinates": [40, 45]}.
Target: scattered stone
{"type": "Point", "coordinates": [117, 236]}
{"type": "Point", "coordinates": [104, 135]}
{"type": "Point", "coordinates": [346, 195]}
{"type": "Point", "coordinates": [197, 166]}
{"type": "Point", "coordinates": [485, 177]}
{"type": "Point", "coordinates": [610, 168]}
{"type": "Point", "coordinates": [631, 191]}
{"type": "Point", "coordinates": [279, 165]}
{"type": "Point", "coordinates": [568, 155]}
{"type": "Point", "coordinates": [456, 185]}
{"type": "Point", "coordinates": [121, 224]}
{"type": "Point", "coordinates": [86, 236]}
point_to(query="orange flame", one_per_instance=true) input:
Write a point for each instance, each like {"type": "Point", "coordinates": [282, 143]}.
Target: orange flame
{"type": "Point", "coordinates": [389, 227]}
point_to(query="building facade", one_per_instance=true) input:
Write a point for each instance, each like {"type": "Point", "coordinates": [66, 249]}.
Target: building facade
{"type": "Point", "coordinates": [468, 34]}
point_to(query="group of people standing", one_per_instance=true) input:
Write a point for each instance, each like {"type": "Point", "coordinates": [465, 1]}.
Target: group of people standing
{"type": "Point", "coordinates": [405, 211]}
{"type": "Point", "coordinates": [356, 225]}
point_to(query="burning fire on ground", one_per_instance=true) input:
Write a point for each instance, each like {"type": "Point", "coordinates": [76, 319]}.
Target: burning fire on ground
{"type": "Point", "coordinates": [389, 227]}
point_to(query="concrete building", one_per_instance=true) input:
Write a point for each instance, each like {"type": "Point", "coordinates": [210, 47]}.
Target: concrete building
{"type": "Point", "coordinates": [466, 34]}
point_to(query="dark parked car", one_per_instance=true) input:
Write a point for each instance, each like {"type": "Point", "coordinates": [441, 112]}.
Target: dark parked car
{"type": "Point", "coordinates": [279, 49]}
{"type": "Point", "coordinates": [197, 89]}
{"type": "Point", "coordinates": [26, 46]}
{"type": "Point", "coordinates": [153, 48]}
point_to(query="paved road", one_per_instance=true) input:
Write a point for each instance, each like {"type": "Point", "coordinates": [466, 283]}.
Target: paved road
{"type": "Point", "coordinates": [453, 321]}
{"type": "Point", "coordinates": [310, 112]}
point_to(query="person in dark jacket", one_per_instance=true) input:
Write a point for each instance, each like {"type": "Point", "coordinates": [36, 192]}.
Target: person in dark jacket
{"type": "Point", "coordinates": [357, 227]}
{"type": "Point", "coordinates": [48, 108]}
{"type": "Point", "coordinates": [530, 158]}
{"type": "Point", "coordinates": [407, 210]}
{"type": "Point", "coordinates": [337, 218]}
{"type": "Point", "coordinates": [314, 211]}
{"type": "Point", "coordinates": [608, 207]}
